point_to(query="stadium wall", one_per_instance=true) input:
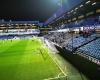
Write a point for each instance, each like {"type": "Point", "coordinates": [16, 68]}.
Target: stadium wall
{"type": "Point", "coordinates": [90, 69]}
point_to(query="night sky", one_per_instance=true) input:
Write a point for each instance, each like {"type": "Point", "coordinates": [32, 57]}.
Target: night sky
{"type": "Point", "coordinates": [27, 9]}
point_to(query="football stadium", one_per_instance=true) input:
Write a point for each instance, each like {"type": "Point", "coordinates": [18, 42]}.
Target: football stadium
{"type": "Point", "coordinates": [65, 46]}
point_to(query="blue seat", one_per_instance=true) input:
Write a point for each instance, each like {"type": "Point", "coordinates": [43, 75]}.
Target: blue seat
{"type": "Point", "coordinates": [93, 48]}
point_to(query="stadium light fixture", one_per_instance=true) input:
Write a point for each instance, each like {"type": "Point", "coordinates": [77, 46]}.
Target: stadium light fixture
{"type": "Point", "coordinates": [25, 24]}
{"type": "Point", "coordinates": [12, 24]}
{"type": "Point", "coordinates": [33, 24]}
{"type": "Point", "coordinates": [16, 24]}
{"type": "Point", "coordinates": [94, 3]}
{"type": "Point", "coordinates": [76, 8]}
{"type": "Point", "coordinates": [2, 25]}
{"type": "Point", "coordinates": [72, 11]}
{"type": "Point", "coordinates": [81, 5]}
{"type": "Point", "coordinates": [88, 2]}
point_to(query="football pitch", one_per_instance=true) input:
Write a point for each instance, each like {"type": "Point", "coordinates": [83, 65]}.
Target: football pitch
{"type": "Point", "coordinates": [26, 59]}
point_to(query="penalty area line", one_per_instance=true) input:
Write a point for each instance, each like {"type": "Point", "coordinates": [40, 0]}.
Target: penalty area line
{"type": "Point", "coordinates": [55, 61]}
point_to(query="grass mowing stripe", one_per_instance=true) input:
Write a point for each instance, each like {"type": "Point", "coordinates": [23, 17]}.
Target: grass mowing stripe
{"type": "Point", "coordinates": [9, 49]}
{"type": "Point", "coordinates": [28, 64]}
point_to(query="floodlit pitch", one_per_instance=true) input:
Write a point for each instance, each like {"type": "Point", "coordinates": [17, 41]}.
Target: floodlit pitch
{"type": "Point", "coordinates": [25, 59]}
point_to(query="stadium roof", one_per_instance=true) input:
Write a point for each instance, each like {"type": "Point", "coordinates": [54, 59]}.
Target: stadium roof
{"type": "Point", "coordinates": [19, 22]}
{"type": "Point", "coordinates": [80, 8]}
{"type": "Point", "coordinates": [67, 6]}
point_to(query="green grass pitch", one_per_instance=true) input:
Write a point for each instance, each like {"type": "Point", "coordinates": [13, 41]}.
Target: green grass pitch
{"type": "Point", "coordinates": [25, 59]}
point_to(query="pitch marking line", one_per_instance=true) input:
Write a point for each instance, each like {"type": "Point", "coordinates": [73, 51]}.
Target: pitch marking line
{"type": "Point", "coordinates": [55, 61]}
{"type": "Point", "coordinates": [55, 78]}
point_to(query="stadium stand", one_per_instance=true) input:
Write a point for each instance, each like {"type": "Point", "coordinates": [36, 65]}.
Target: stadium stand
{"type": "Point", "coordinates": [6, 37]}
{"type": "Point", "coordinates": [92, 49]}
{"type": "Point", "coordinates": [87, 42]}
